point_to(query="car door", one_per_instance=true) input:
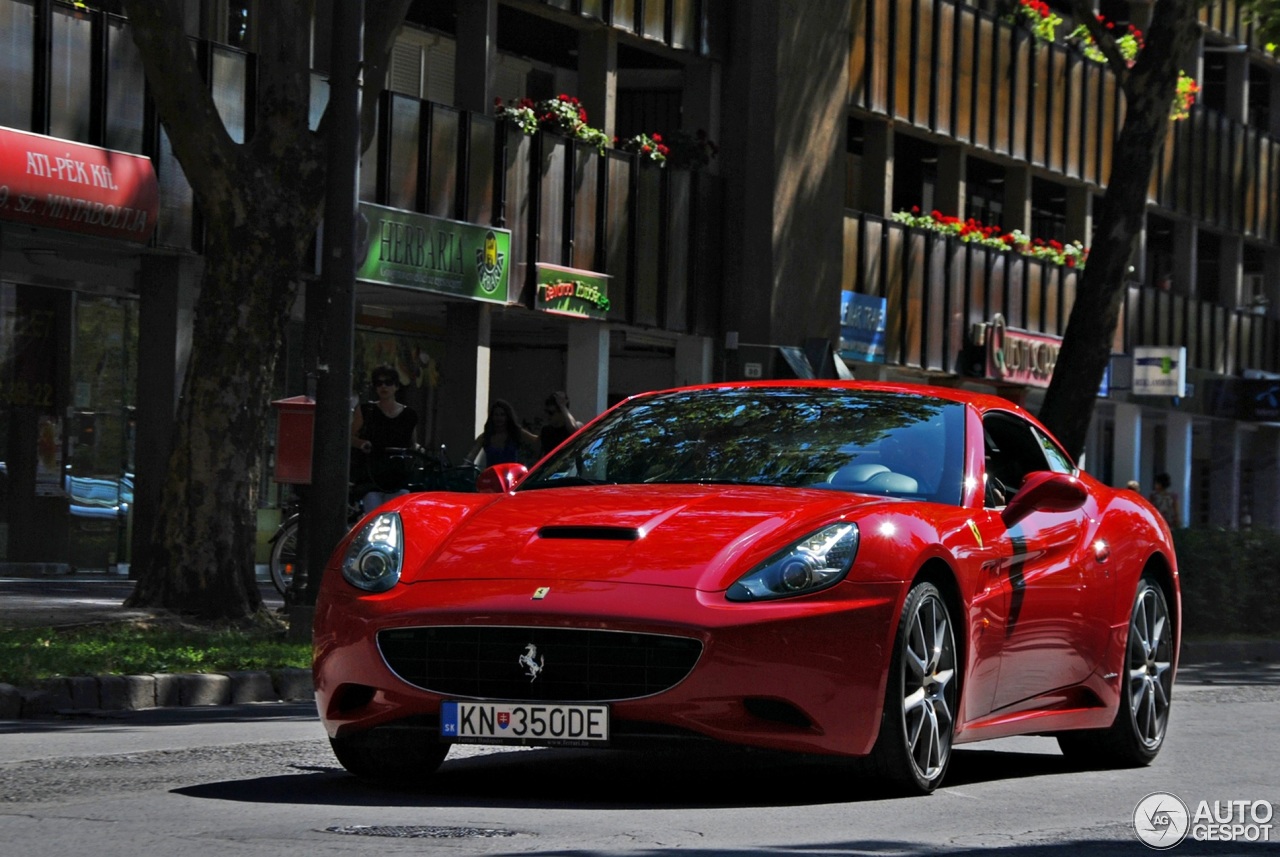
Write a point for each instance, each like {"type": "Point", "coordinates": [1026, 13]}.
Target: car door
{"type": "Point", "coordinates": [1043, 572]}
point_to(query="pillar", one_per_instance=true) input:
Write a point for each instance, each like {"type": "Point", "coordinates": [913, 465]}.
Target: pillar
{"type": "Point", "coordinates": [1184, 258]}
{"type": "Point", "coordinates": [874, 190]}
{"type": "Point", "coordinates": [477, 36]}
{"type": "Point", "coordinates": [598, 77]}
{"type": "Point", "coordinates": [1127, 463]}
{"type": "Point", "coordinates": [1178, 439]}
{"type": "Point", "coordinates": [1017, 199]}
{"type": "Point", "coordinates": [693, 360]}
{"type": "Point", "coordinates": [464, 386]}
{"type": "Point", "coordinates": [587, 369]}
{"type": "Point", "coordinates": [949, 194]}
{"type": "Point", "coordinates": [1224, 474]}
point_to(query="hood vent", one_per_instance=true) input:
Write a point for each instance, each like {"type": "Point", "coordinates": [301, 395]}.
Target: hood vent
{"type": "Point", "coordinates": [598, 534]}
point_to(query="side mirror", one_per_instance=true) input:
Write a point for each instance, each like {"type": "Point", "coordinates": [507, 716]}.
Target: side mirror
{"type": "Point", "coordinates": [501, 478]}
{"type": "Point", "coordinates": [1044, 491]}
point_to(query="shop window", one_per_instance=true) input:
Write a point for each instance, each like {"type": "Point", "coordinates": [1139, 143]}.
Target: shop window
{"type": "Point", "coordinates": [17, 58]}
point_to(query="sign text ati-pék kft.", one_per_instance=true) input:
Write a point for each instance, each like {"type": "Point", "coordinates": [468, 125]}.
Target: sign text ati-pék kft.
{"type": "Point", "coordinates": [70, 186]}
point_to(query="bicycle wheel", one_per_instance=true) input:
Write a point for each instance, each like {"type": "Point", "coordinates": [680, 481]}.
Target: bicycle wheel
{"type": "Point", "coordinates": [284, 554]}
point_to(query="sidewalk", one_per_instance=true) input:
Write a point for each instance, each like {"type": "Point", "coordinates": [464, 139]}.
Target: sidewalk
{"type": "Point", "coordinates": [90, 597]}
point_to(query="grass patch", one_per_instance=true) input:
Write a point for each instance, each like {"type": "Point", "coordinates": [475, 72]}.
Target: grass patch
{"type": "Point", "coordinates": [28, 655]}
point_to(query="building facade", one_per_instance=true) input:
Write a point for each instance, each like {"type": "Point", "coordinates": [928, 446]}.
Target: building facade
{"type": "Point", "coordinates": [787, 248]}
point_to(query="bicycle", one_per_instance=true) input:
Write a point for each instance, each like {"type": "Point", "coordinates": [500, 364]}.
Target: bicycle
{"type": "Point", "coordinates": [423, 473]}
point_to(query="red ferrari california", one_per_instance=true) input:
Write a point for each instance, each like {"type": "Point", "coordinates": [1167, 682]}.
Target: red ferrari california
{"type": "Point", "coordinates": [878, 571]}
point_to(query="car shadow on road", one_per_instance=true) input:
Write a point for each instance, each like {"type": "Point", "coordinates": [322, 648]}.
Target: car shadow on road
{"type": "Point", "coordinates": [550, 778]}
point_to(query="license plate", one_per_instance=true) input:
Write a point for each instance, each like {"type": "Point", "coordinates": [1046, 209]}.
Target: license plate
{"type": "Point", "coordinates": [524, 723]}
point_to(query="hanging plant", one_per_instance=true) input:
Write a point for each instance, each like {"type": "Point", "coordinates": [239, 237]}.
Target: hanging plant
{"type": "Point", "coordinates": [649, 146]}
{"type": "Point", "coordinates": [1071, 254]}
{"type": "Point", "coordinates": [1188, 91]}
{"type": "Point", "coordinates": [1129, 43]}
{"type": "Point", "coordinates": [1037, 17]}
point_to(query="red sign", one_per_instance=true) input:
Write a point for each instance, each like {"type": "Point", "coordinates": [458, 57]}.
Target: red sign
{"type": "Point", "coordinates": [55, 183]}
{"type": "Point", "coordinates": [1019, 356]}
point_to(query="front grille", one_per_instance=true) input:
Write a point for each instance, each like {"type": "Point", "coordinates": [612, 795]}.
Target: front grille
{"type": "Point", "coordinates": [571, 665]}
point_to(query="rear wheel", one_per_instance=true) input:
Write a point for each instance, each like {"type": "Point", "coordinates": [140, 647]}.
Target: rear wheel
{"type": "Point", "coordinates": [1135, 737]}
{"type": "Point", "coordinates": [914, 746]}
{"type": "Point", "coordinates": [284, 555]}
{"type": "Point", "coordinates": [382, 758]}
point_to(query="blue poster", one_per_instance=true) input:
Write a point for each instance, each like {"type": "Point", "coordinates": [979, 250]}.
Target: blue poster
{"type": "Point", "coordinates": [862, 333]}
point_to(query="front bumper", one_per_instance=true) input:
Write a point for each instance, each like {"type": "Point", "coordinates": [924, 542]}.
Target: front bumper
{"type": "Point", "coordinates": [804, 674]}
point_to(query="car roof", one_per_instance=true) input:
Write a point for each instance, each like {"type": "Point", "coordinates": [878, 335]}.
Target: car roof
{"type": "Point", "coordinates": [980, 401]}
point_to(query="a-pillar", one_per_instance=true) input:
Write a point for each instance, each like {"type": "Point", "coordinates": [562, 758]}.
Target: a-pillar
{"type": "Point", "coordinates": [1127, 463]}
{"type": "Point", "coordinates": [587, 372]}
{"type": "Point", "coordinates": [598, 77]}
{"type": "Point", "coordinates": [1224, 474]}
{"type": "Point", "coordinates": [464, 382]}
{"type": "Point", "coordinates": [1178, 435]}
{"type": "Point", "coordinates": [477, 37]}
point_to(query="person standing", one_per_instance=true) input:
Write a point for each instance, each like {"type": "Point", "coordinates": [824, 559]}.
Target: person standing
{"type": "Point", "coordinates": [503, 439]}
{"type": "Point", "coordinates": [561, 424]}
{"type": "Point", "coordinates": [381, 430]}
{"type": "Point", "coordinates": [1165, 501]}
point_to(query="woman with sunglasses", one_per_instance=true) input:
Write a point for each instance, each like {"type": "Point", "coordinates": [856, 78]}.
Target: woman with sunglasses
{"type": "Point", "coordinates": [382, 432]}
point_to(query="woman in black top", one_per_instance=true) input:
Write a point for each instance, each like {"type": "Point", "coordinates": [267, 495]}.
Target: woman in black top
{"type": "Point", "coordinates": [377, 426]}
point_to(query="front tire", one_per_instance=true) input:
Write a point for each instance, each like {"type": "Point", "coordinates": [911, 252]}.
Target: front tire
{"type": "Point", "coordinates": [378, 758]}
{"type": "Point", "coordinates": [1135, 738]}
{"type": "Point", "coordinates": [913, 749]}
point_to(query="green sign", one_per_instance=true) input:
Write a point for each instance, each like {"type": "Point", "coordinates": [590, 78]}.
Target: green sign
{"type": "Point", "coordinates": [418, 251]}
{"type": "Point", "coordinates": [568, 291]}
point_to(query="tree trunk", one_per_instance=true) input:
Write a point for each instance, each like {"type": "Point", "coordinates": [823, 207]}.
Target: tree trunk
{"type": "Point", "coordinates": [1149, 88]}
{"type": "Point", "coordinates": [203, 557]}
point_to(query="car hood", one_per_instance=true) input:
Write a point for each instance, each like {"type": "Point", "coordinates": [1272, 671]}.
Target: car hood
{"type": "Point", "coordinates": [689, 536]}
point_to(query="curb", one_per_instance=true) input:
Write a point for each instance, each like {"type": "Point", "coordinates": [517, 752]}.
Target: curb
{"type": "Point", "coordinates": [81, 694]}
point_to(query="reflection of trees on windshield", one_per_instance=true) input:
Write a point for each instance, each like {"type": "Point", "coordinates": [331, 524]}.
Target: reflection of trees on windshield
{"type": "Point", "coordinates": [780, 437]}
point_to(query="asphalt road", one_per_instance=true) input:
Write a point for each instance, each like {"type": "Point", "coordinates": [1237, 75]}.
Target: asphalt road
{"type": "Point", "coordinates": [260, 780]}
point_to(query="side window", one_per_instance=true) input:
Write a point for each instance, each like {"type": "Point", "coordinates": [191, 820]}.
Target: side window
{"type": "Point", "coordinates": [1012, 451]}
{"type": "Point", "coordinates": [1059, 461]}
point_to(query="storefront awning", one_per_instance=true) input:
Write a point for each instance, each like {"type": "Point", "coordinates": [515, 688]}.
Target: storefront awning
{"type": "Point", "coordinates": [63, 185]}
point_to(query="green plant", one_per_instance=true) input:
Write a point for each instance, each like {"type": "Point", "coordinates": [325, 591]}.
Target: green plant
{"type": "Point", "coordinates": [28, 655]}
{"type": "Point", "coordinates": [1037, 17]}
{"type": "Point", "coordinates": [1186, 95]}
{"type": "Point", "coordinates": [563, 115]}
{"type": "Point", "coordinates": [649, 146]}
{"type": "Point", "coordinates": [1071, 254]}
{"type": "Point", "coordinates": [1129, 43]}
{"type": "Point", "coordinates": [1230, 581]}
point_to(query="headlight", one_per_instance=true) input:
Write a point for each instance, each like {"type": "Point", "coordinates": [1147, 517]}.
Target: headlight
{"type": "Point", "coordinates": [812, 563]}
{"type": "Point", "coordinates": [373, 559]}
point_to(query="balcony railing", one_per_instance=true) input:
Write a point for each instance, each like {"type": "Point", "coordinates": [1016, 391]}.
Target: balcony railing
{"type": "Point", "coordinates": [564, 202]}
{"type": "Point", "coordinates": [937, 287]}
{"type": "Point", "coordinates": [961, 72]}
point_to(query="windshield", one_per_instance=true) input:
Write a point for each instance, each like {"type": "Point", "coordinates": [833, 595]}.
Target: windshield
{"type": "Point", "coordinates": [872, 442]}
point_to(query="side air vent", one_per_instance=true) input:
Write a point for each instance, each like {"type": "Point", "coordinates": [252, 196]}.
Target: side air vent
{"type": "Point", "coordinates": [599, 534]}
